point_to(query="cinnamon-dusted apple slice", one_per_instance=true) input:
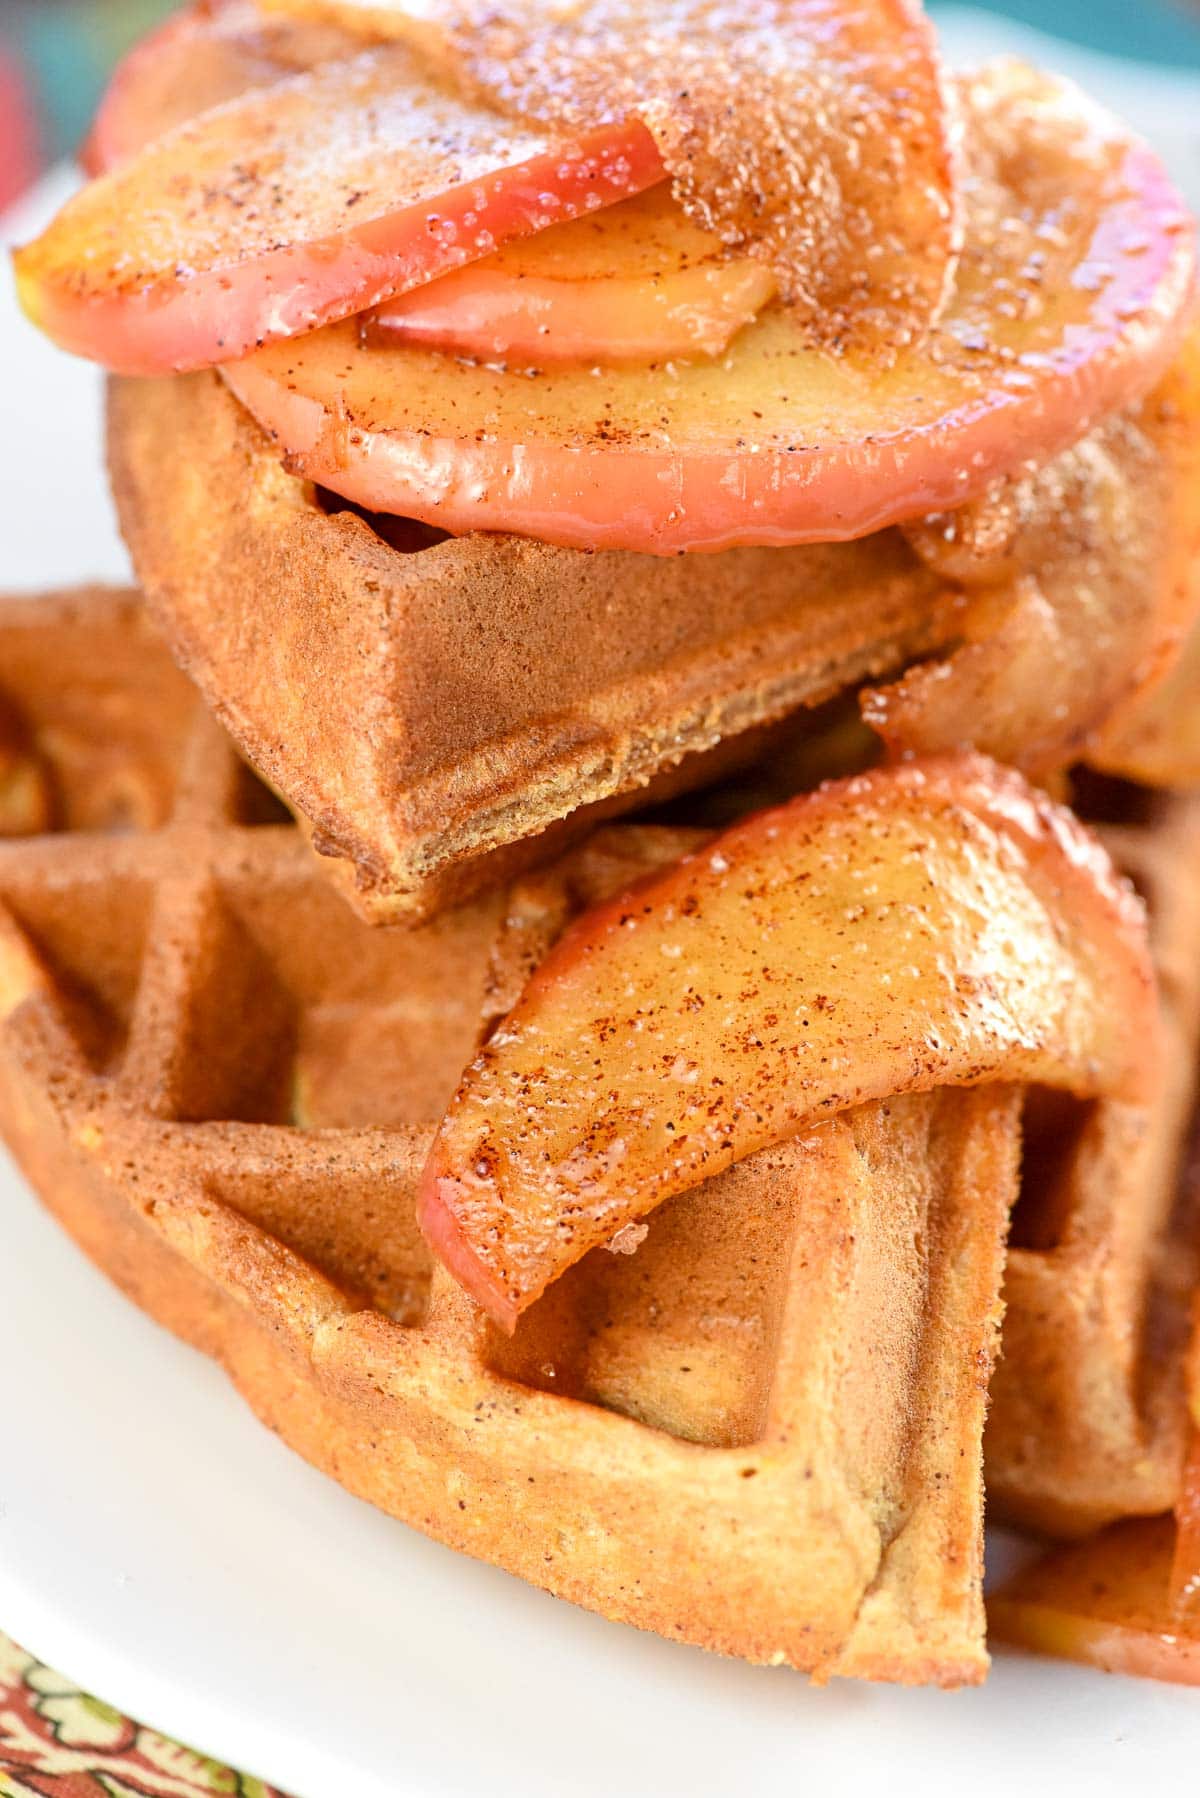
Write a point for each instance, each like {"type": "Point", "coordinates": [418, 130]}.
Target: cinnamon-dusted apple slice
{"type": "Point", "coordinates": [209, 52]}
{"type": "Point", "coordinates": [636, 282]}
{"type": "Point", "coordinates": [934, 925]}
{"type": "Point", "coordinates": [1106, 1601]}
{"type": "Point", "coordinates": [304, 202]}
{"type": "Point", "coordinates": [817, 137]}
{"type": "Point", "coordinates": [1071, 300]}
{"type": "Point", "coordinates": [1155, 739]}
{"type": "Point", "coordinates": [1081, 580]}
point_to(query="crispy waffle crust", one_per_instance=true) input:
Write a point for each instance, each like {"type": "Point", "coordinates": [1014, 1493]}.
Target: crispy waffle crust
{"type": "Point", "coordinates": [1089, 1416]}
{"type": "Point", "coordinates": [435, 708]}
{"type": "Point", "coordinates": [761, 1432]}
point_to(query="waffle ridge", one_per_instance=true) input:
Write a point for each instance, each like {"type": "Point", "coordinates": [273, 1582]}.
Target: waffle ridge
{"type": "Point", "coordinates": [1089, 1420]}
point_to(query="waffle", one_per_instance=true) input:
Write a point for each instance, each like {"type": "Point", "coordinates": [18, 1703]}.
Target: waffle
{"type": "Point", "coordinates": [433, 707]}
{"type": "Point", "coordinates": [1088, 1416]}
{"type": "Point", "coordinates": [760, 1433]}
{"type": "Point", "coordinates": [443, 712]}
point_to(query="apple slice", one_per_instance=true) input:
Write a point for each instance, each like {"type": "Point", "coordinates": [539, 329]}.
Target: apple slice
{"type": "Point", "coordinates": [1155, 740]}
{"type": "Point", "coordinates": [1106, 1601]}
{"type": "Point", "coordinates": [1185, 1568]}
{"type": "Point", "coordinates": [818, 136]}
{"type": "Point", "coordinates": [937, 924]}
{"type": "Point", "coordinates": [636, 282]}
{"type": "Point", "coordinates": [212, 51]}
{"type": "Point", "coordinates": [1185, 1563]}
{"type": "Point", "coordinates": [1082, 580]}
{"type": "Point", "coordinates": [1071, 301]}
{"type": "Point", "coordinates": [304, 202]}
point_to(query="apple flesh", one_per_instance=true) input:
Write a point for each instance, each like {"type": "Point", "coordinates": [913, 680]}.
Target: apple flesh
{"type": "Point", "coordinates": [1185, 1565]}
{"type": "Point", "coordinates": [210, 52]}
{"type": "Point", "coordinates": [1071, 302]}
{"type": "Point", "coordinates": [816, 136]}
{"type": "Point", "coordinates": [1156, 739]}
{"type": "Point", "coordinates": [1107, 1602]}
{"type": "Point", "coordinates": [1185, 1570]}
{"type": "Point", "coordinates": [636, 282]}
{"type": "Point", "coordinates": [1082, 580]}
{"type": "Point", "coordinates": [920, 926]}
{"type": "Point", "coordinates": [302, 203]}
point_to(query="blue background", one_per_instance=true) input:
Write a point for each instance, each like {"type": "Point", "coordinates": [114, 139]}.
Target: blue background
{"type": "Point", "coordinates": [1165, 31]}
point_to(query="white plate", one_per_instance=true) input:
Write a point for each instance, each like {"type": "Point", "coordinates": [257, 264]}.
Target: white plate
{"type": "Point", "coordinates": [168, 1553]}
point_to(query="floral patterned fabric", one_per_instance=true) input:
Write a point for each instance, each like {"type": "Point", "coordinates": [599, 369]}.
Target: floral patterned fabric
{"type": "Point", "coordinates": [56, 1742]}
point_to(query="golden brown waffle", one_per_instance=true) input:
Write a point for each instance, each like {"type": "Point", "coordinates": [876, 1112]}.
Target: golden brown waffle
{"type": "Point", "coordinates": [1088, 1415]}
{"type": "Point", "coordinates": [443, 712]}
{"type": "Point", "coordinates": [433, 706]}
{"type": "Point", "coordinates": [1088, 1420]}
{"type": "Point", "coordinates": [760, 1432]}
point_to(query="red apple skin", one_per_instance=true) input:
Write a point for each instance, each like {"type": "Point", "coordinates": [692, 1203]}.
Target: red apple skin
{"type": "Point", "coordinates": [540, 324]}
{"type": "Point", "coordinates": [816, 134]}
{"type": "Point", "coordinates": [300, 204]}
{"type": "Point", "coordinates": [775, 443]}
{"type": "Point", "coordinates": [926, 925]}
{"type": "Point", "coordinates": [637, 282]}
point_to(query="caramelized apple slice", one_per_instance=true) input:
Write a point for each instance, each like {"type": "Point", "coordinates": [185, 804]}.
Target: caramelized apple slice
{"type": "Point", "coordinates": [210, 52]}
{"type": "Point", "coordinates": [1184, 1590]}
{"type": "Point", "coordinates": [1081, 580]}
{"type": "Point", "coordinates": [1070, 302]}
{"type": "Point", "coordinates": [304, 202]}
{"type": "Point", "coordinates": [926, 926]}
{"type": "Point", "coordinates": [1156, 738]}
{"type": "Point", "coordinates": [637, 282]}
{"type": "Point", "coordinates": [817, 136]}
{"type": "Point", "coordinates": [1106, 1601]}
{"type": "Point", "coordinates": [1185, 1567]}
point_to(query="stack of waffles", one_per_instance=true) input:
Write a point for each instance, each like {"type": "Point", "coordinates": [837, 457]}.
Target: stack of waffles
{"type": "Point", "coordinates": [370, 888]}
{"type": "Point", "coordinates": [762, 1430]}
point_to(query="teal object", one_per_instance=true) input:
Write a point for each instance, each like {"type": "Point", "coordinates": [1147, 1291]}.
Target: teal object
{"type": "Point", "coordinates": [67, 71]}
{"type": "Point", "coordinates": [1157, 31]}
{"type": "Point", "coordinates": [68, 48]}
{"type": "Point", "coordinates": [69, 45]}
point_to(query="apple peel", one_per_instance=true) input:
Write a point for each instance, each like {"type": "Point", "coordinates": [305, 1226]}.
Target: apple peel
{"type": "Point", "coordinates": [635, 282]}
{"type": "Point", "coordinates": [301, 203]}
{"type": "Point", "coordinates": [1081, 582]}
{"type": "Point", "coordinates": [1072, 299]}
{"type": "Point", "coordinates": [929, 925]}
{"type": "Point", "coordinates": [817, 136]}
